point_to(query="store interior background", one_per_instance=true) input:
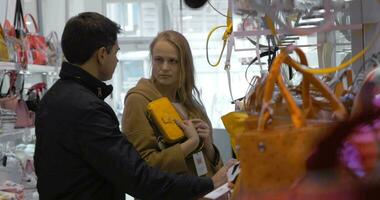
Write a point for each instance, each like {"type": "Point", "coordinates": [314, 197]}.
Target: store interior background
{"type": "Point", "coordinates": [141, 20]}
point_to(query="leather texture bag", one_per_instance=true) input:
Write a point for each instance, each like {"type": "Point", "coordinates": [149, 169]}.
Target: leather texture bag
{"type": "Point", "coordinates": [16, 37]}
{"type": "Point", "coordinates": [273, 149]}
{"type": "Point", "coordinates": [36, 44]}
{"type": "Point", "coordinates": [164, 115]}
{"type": "Point", "coordinates": [25, 117]}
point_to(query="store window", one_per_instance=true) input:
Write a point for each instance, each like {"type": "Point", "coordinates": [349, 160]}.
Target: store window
{"type": "Point", "coordinates": [136, 18]}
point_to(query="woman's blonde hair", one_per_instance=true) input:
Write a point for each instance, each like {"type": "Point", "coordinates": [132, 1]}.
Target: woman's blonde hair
{"type": "Point", "coordinates": [186, 93]}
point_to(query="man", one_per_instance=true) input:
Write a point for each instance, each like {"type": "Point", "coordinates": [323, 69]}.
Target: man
{"type": "Point", "coordinates": [80, 151]}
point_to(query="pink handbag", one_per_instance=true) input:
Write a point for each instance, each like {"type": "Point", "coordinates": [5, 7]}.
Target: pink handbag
{"type": "Point", "coordinates": [9, 102]}
{"type": "Point", "coordinates": [25, 118]}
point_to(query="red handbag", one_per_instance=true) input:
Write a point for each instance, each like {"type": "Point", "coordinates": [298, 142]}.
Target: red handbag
{"type": "Point", "coordinates": [15, 37]}
{"type": "Point", "coordinates": [36, 44]}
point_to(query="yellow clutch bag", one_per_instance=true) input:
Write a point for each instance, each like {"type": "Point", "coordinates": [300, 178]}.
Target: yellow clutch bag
{"type": "Point", "coordinates": [163, 113]}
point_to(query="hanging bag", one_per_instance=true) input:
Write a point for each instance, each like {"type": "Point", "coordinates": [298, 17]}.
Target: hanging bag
{"type": "Point", "coordinates": [36, 44]}
{"type": "Point", "coordinates": [20, 34]}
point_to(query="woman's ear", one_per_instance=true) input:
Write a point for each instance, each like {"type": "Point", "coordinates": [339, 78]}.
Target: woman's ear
{"type": "Point", "coordinates": [101, 55]}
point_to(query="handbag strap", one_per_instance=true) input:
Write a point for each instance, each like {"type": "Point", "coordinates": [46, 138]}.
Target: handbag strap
{"type": "Point", "coordinates": [273, 78]}
{"type": "Point", "coordinates": [52, 35]}
{"type": "Point", "coordinates": [19, 21]}
{"type": "Point", "coordinates": [12, 81]}
{"type": "Point", "coordinates": [38, 87]}
{"type": "Point", "coordinates": [339, 109]}
{"type": "Point", "coordinates": [36, 27]}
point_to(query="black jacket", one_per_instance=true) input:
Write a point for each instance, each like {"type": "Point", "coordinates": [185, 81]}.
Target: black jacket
{"type": "Point", "coordinates": [81, 153]}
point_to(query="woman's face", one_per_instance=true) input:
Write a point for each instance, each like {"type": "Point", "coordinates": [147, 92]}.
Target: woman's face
{"type": "Point", "coordinates": [166, 63]}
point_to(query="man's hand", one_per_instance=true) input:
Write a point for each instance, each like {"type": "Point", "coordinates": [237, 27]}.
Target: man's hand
{"type": "Point", "coordinates": [220, 177]}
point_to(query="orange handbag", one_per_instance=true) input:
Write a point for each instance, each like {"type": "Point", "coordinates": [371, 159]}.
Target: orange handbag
{"type": "Point", "coordinates": [273, 149]}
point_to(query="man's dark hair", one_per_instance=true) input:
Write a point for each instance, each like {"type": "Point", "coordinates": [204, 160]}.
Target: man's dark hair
{"type": "Point", "coordinates": [86, 33]}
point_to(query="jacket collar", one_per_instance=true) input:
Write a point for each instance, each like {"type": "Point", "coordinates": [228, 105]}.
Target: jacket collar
{"type": "Point", "coordinates": [73, 72]}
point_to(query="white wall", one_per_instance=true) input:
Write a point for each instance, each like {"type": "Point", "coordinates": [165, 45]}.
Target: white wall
{"type": "Point", "coordinates": [56, 13]}
{"type": "Point", "coordinates": [53, 15]}
{"type": "Point", "coordinates": [7, 8]}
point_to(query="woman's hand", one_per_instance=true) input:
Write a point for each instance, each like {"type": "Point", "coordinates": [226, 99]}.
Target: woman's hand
{"type": "Point", "coordinates": [204, 131]}
{"type": "Point", "coordinates": [191, 134]}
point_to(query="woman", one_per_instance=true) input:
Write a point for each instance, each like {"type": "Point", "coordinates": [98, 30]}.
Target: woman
{"type": "Point", "coordinates": [172, 77]}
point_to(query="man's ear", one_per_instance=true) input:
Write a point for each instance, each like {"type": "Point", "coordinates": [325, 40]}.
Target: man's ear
{"type": "Point", "coordinates": [101, 54]}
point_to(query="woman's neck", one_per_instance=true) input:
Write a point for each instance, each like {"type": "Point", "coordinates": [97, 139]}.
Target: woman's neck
{"type": "Point", "coordinates": [166, 91]}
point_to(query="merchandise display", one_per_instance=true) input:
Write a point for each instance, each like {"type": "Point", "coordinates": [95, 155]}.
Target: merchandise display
{"type": "Point", "coordinates": [279, 124]}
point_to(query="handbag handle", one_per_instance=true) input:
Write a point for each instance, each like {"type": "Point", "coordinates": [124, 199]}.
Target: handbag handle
{"type": "Point", "coordinates": [9, 28]}
{"type": "Point", "coordinates": [38, 87]}
{"type": "Point", "coordinates": [275, 77]}
{"type": "Point", "coordinates": [52, 35]}
{"type": "Point", "coordinates": [12, 82]}
{"type": "Point", "coordinates": [36, 28]}
{"type": "Point", "coordinates": [339, 109]}
{"type": "Point", "coordinates": [19, 21]}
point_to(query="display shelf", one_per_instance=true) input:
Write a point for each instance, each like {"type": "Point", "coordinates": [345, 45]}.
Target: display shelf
{"type": "Point", "coordinates": [8, 66]}
{"type": "Point", "coordinates": [15, 134]}
{"type": "Point", "coordinates": [42, 68]}
{"type": "Point", "coordinates": [31, 68]}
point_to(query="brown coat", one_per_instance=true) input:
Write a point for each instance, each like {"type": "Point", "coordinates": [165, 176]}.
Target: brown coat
{"type": "Point", "coordinates": [136, 126]}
